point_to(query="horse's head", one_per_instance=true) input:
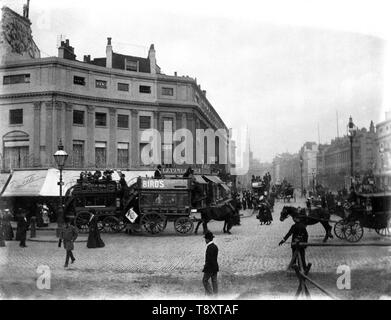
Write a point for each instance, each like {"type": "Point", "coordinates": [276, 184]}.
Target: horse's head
{"type": "Point", "coordinates": [286, 211]}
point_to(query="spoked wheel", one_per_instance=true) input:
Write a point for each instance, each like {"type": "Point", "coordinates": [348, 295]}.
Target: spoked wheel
{"type": "Point", "coordinates": [339, 229]}
{"type": "Point", "coordinates": [153, 223]}
{"type": "Point", "coordinates": [183, 225]}
{"type": "Point", "coordinates": [110, 224]}
{"type": "Point", "coordinates": [354, 231]}
{"type": "Point", "coordinates": [81, 221]}
{"type": "Point", "coordinates": [385, 232]}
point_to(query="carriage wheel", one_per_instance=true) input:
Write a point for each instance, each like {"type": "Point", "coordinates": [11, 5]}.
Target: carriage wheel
{"type": "Point", "coordinates": [183, 225]}
{"type": "Point", "coordinates": [153, 223]}
{"type": "Point", "coordinates": [385, 232]}
{"type": "Point", "coordinates": [110, 224]}
{"type": "Point", "coordinates": [354, 232]}
{"type": "Point", "coordinates": [339, 229]}
{"type": "Point", "coordinates": [81, 221]}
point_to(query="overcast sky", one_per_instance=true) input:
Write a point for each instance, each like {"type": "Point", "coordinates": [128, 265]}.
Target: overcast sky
{"type": "Point", "coordinates": [281, 67]}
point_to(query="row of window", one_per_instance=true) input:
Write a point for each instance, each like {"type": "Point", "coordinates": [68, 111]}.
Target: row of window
{"type": "Point", "coordinates": [81, 81]}
{"type": "Point", "coordinates": [100, 154]}
{"type": "Point", "coordinates": [102, 84]}
{"type": "Point", "coordinates": [101, 120]}
{"type": "Point", "coordinates": [16, 118]}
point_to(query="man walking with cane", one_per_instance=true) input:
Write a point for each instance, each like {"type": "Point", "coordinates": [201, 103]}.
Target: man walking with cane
{"type": "Point", "coordinates": [211, 267]}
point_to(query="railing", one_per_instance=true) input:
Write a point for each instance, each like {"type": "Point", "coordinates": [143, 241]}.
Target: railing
{"type": "Point", "coordinates": [296, 264]}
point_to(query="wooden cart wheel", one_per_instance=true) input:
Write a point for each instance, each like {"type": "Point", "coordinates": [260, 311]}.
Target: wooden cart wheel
{"type": "Point", "coordinates": [339, 229]}
{"type": "Point", "coordinates": [385, 232]}
{"type": "Point", "coordinates": [153, 223]}
{"type": "Point", "coordinates": [110, 224]}
{"type": "Point", "coordinates": [101, 225]}
{"type": "Point", "coordinates": [183, 225]}
{"type": "Point", "coordinates": [354, 231]}
{"type": "Point", "coordinates": [81, 221]}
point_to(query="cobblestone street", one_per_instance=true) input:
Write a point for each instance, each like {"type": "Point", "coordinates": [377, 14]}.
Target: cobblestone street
{"type": "Point", "coordinates": [137, 265]}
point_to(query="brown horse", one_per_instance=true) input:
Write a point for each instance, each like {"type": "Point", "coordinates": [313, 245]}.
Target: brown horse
{"type": "Point", "coordinates": [226, 212]}
{"type": "Point", "coordinates": [317, 215]}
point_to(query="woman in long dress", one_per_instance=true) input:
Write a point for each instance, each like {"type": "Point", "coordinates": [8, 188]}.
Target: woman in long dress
{"type": "Point", "coordinates": [94, 239]}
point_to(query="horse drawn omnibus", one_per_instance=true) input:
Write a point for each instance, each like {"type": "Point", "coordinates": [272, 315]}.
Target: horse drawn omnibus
{"type": "Point", "coordinates": [147, 204]}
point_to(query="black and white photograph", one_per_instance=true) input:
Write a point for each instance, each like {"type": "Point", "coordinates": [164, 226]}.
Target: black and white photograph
{"type": "Point", "coordinates": [195, 151]}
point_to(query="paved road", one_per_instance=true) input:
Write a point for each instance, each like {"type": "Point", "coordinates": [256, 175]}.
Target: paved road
{"type": "Point", "coordinates": [250, 250]}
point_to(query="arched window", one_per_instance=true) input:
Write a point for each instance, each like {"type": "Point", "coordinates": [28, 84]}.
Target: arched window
{"type": "Point", "coordinates": [16, 150]}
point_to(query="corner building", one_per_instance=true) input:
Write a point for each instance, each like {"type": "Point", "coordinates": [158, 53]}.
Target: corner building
{"type": "Point", "coordinates": [97, 107]}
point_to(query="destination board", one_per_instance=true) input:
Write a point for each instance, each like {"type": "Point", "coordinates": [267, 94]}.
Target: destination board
{"type": "Point", "coordinates": [164, 183]}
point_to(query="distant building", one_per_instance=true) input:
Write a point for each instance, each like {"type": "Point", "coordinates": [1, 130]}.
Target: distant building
{"type": "Point", "coordinates": [334, 160]}
{"type": "Point", "coordinates": [383, 152]}
{"type": "Point", "coordinates": [308, 153]}
{"type": "Point", "coordinates": [286, 166]}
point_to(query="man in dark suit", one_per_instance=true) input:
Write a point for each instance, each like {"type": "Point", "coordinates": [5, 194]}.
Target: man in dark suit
{"type": "Point", "coordinates": [21, 229]}
{"type": "Point", "coordinates": [211, 266]}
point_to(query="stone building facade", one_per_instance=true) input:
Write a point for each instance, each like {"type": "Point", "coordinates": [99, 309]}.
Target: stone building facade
{"type": "Point", "coordinates": [383, 152]}
{"type": "Point", "coordinates": [97, 107]}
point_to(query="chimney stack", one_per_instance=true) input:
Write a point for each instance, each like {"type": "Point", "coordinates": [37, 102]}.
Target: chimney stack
{"type": "Point", "coordinates": [65, 51]}
{"type": "Point", "coordinates": [152, 58]}
{"type": "Point", "coordinates": [175, 74]}
{"type": "Point", "coordinates": [109, 54]}
{"type": "Point", "coordinates": [87, 58]}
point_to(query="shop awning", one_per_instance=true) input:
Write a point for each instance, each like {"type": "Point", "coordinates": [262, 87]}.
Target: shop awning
{"type": "Point", "coordinates": [25, 183]}
{"type": "Point", "coordinates": [34, 183]}
{"type": "Point", "coordinates": [3, 180]}
{"type": "Point", "coordinates": [214, 179]}
{"type": "Point", "coordinates": [199, 179]}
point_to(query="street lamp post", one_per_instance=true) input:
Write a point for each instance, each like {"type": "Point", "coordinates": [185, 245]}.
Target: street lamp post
{"type": "Point", "coordinates": [313, 181]}
{"type": "Point", "coordinates": [60, 157]}
{"type": "Point", "coordinates": [301, 175]}
{"type": "Point", "coordinates": [351, 134]}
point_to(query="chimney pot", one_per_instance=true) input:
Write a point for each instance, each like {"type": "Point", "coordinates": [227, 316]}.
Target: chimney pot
{"type": "Point", "coordinates": [175, 73]}
{"type": "Point", "coordinates": [109, 41]}
{"type": "Point", "coordinates": [67, 42]}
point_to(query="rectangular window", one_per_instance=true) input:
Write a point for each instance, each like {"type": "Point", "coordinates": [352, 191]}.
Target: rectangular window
{"type": "Point", "coordinates": [100, 119]}
{"type": "Point", "coordinates": [123, 155]}
{"type": "Point", "coordinates": [100, 154]}
{"type": "Point", "coordinates": [145, 122]}
{"type": "Point", "coordinates": [16, 78]}
{"type": "Point", "coordinates": [145, 89]}
{"type": "Point", "coordinates": [78, 117]}
{"type": "Point", "coordinates": [131, 65]}
{"type": "Point", "coordinates": [101, 84]}
{"type": "Point", "coordinates": [167, 91]}
{"type": "Point", "coordinates": [123, 121]}
{"type": "Point", "coordinates": [16, 116]}
{"type": "Point", "coordinates": [80, 81]}
{"type": "Point", "coordinates": [16, 157]}
{"type": "Point", "coordinates": [123, 87]}
{"type": "Point", "coordinates": [78, 154]}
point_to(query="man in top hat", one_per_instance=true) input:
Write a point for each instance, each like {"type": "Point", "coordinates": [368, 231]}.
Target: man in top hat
{"type": "Point", "coordinates": [211, 266]}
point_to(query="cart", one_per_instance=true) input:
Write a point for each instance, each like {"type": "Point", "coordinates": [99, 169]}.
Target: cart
{"type": "Point", "coordinates": [164, 200]}
{"type": "Point", "coordinates": [372, 211]}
